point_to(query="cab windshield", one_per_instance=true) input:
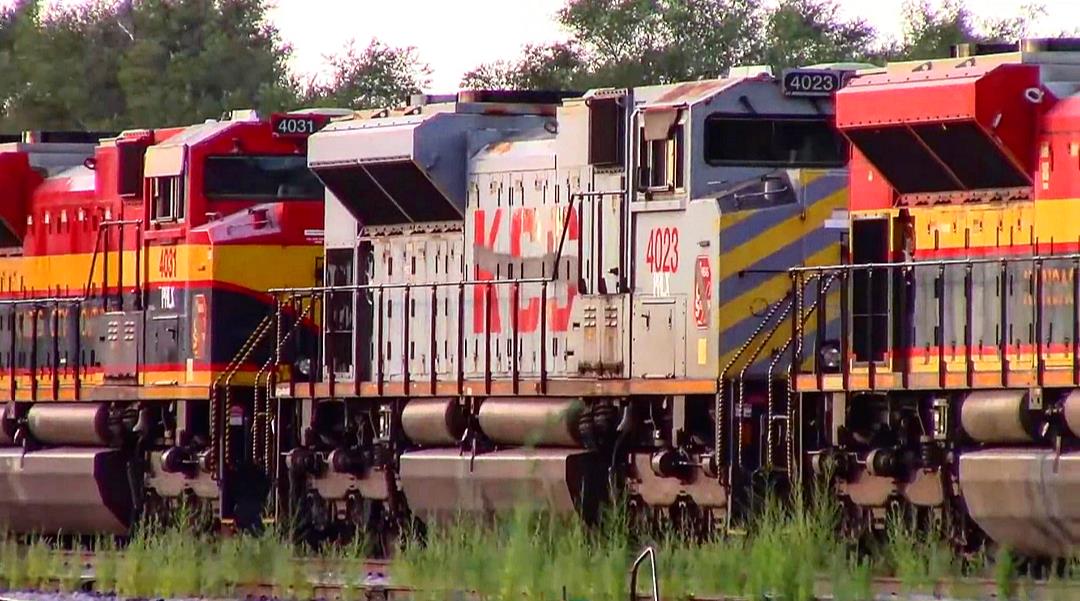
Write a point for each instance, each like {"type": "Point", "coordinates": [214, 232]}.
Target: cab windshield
{"type": "Point", "coordinates": [269, 177]}
{"type": "Point", "coordinates": [773, 141]}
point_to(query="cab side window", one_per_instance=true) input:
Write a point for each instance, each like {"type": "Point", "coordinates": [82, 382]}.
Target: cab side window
{"type": "Point", "coordinates": [660, 151]}
{"type": "Point", "coordinates": [167, 198]}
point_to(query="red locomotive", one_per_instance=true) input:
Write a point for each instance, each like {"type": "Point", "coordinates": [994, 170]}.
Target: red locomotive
{"type": "Point", "coordinates": [132, 269]}
{"type": "Point", "coordinates": [953, 388]}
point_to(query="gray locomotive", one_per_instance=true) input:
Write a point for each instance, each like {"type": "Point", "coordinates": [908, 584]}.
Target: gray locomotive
{"type": "Point", "coordinates": [552, 298]}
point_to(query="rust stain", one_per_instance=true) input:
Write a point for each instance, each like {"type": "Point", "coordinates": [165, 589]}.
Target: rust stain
{"type": "Point", "coordinates": [501, 147]}
{"type": "Point", "coordinates": [690, 91]}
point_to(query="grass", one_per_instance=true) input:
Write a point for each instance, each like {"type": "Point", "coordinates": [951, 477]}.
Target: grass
{"type": "Point", "coordinates": [540, 556]}
{"type": "Point", "coordinates": [789, 551]}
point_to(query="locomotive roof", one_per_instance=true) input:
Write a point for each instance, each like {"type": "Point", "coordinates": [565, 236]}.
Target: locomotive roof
{"type": "Point", "coordinates": [685, 93]}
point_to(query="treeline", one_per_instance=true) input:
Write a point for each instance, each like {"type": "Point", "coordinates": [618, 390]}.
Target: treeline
{"type": "Point", "coordinates": [111, 64]}
{"type": "Point", "coordinates": [630, 42]}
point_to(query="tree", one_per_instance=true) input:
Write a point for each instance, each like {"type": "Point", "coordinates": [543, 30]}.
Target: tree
{"type": "Point", "coordinates": [806, 32]}
{"type": "Point", "coordinates": [375, 77]}
{"type": "Point", "coordinates": [195, 59]}
{"type": "Point", "coordinates": [60, 69]}
{"type": "Point", "coordinates": [10, 80]}
{"type": "Point", "coordinates": [634, 42]}
{"type": "Point", "coordinates": [558, 66]}
{"type": "Point", "coordinates": [931, 32]}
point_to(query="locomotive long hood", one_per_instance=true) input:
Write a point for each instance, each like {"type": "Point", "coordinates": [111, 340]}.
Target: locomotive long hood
{"type": "Point", "coordinates": [947, 130]}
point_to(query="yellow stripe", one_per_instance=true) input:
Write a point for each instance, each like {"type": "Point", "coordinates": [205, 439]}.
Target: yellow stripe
{"type": "Point", "coordinates": [780, 235]}
{"type": "Point", "coordinates": [781, 335]}
{"type": "Point", "coordinates": [257, 267]}
{"type": "Point", "coordinates": [769, 291]}
{"type": "Point", "coordinates": [732, 219]}
{"type": "Point", "coordinates": [265, 267]}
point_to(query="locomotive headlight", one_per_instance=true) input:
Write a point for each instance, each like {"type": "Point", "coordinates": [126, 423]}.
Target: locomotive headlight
{"type": "Point", "coordinates": [303, 365]}
{"type": "Point", "coordinates": [829, 356]}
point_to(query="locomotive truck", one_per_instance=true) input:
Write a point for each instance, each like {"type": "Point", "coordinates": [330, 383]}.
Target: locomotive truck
{"type": "Point", "coordinates": [131, 269]}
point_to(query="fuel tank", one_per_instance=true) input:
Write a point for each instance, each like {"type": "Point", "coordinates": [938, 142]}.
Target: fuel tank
{"type": "Point", "coordinates": [1025, 498]}
{"type": "Point", "coordinates": [998, 416]}
{"type": "Point", "coordinates": [442, 483]}
{"type": "Point", "coordinates": [84, 490]}
{"type": "Point", "coordinates": [1071, 412]}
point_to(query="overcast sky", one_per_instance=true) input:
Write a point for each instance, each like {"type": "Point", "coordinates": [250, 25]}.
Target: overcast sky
{"type": "Point", "coordinates": [455, 35]}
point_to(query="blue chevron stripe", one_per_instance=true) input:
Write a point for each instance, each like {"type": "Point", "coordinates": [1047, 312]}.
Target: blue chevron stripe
{"type": "Point", "coordinates": [745, 231]}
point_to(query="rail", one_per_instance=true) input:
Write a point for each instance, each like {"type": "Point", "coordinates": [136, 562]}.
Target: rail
{"type": "Point", "coordinates": [1021, 300]}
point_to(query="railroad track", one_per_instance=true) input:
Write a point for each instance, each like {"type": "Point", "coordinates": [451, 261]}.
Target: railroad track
{"type": "Point", "coordinates": [370, 580]}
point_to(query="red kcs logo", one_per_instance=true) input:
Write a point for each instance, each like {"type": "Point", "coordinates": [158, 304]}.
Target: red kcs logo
{"type": "Point", "coordinates": [702, 292]}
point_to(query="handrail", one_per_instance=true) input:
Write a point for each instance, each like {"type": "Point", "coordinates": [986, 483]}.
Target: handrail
{"type": "Point", "coordinates": [740, 399]}
{"type": "Point", "coordinates": [651, 554]}
{"type": "Point", "coordinates": [103, 229]}
{"type": "Point", "coordinates": [934, 262]}
{"type": "Point", "coordinates": [548, 280]}
{"type": "Point", "coordinates": [230, 370]}
{"type": "Point", "coordinates": [1038, 311]}
{"type": "Point", "coordinates": [320, 294]}
{"type": "Point", "coordinates": [260, 435]}
{"type": "Point", "coordinates": [719, 400]}
{"type": "Point", "coordinates": [791, 366]}
{"type": "Point", "coordinates": [44, 300]}
{"type": "Point", "coordinates": [401, 286]}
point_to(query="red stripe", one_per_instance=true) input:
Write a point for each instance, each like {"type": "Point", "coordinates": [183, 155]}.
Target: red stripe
{"type": "Point", "coordinates": [985, 351]}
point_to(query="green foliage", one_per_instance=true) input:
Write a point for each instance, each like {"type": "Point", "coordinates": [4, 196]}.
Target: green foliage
{"type": "Point", "coordinates": [807, 32]}
{"type": "Point", "coordinates": [918, 556]}
{"type": "Point", "coordinates": [538, 555]}
{"type": "Point", "coordinates": [559, 66]}
{"type": "Point", "coordinates": [931, 29]}
{"type": "Point", "coordinates": [115, 64]}
{"type": "Point", "coordinates": [193, 59]}
{"type": "Point", "coordinates": [635, 42]}
{"type": "Point", "coordinates": [1005, 573]}
{"type": "Point", "coordinates": [377, 76]}
{"type": "Point", "coordinates": [787, 552]}
{"type": "Point", "coordinates": [61, 71]}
